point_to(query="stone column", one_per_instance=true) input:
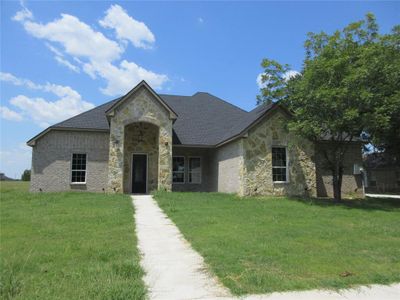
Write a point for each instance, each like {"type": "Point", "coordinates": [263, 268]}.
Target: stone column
{"type": "Point", "coordinates": [165, 157]}
{"type": "Point", "coordinates": [116, 158]}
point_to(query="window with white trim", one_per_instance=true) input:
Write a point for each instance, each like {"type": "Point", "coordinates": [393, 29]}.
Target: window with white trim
{"type": "Point", "coordinates": [194, 170]}
{"type": "Point", "coordinates": [178, 169]}
{"type": "Point", "coordinates": [78, 168]}
{"type": "Point", "coordinates": [279, 164]}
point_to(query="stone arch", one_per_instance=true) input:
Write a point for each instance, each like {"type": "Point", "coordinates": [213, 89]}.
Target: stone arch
{"type": "Point", "coordinates": [141, 137]}
{"type": "Point", "coordinates": [141, 107]}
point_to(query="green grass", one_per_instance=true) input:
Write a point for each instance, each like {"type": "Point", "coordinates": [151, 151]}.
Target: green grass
{"type": "Point", "coordinates": [261, 245]}
{"type": "Point", "coordinates": [67, 246]}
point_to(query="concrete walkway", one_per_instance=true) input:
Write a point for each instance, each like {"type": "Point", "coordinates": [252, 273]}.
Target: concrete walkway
{"type": "Point", "coordinates": [383, 196]}
{"type": "Point", "coordinates": [175, 271]}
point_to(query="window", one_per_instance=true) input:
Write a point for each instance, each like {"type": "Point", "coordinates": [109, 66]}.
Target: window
{"type": "Point", "coordinates": [78, 169]}
{"type": "Point", "coordinates": [178, 169]}
{"type": "Point", "coordinates": [194, 170]}
{"type": "Point", "coordinates": [279, 164]}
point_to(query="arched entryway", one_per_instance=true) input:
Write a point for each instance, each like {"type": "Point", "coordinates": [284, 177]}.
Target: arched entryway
{"type": "Point", "coordinates": [140, 122]}
{"type": "Point", "coordinates": [141, 152]}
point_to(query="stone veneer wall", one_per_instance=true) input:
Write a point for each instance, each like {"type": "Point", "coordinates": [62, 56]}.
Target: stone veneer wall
{"type": "Point", "coordinates": [52, 155]}
{"type": "Point", "coordinates": [141, 107]}
{"type": "Point", "coordinates": [257, 169]}
{"type": "Point", "coordinates": [146, 142]}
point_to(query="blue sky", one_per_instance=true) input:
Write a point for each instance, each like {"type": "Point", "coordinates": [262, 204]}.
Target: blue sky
{"type": "Point", "coordinates": [61, 58]}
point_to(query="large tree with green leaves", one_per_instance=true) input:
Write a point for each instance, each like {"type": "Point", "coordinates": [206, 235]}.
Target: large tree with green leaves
{"type": "Point", "coordinates": [349, 86]}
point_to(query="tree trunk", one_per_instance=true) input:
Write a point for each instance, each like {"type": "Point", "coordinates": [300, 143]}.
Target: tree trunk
{"type": "Point", "coordinates": [337, 175]}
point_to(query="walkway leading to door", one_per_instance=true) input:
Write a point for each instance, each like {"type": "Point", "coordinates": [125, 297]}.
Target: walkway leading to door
{"type": "Point", "coordinates": [173, 269]}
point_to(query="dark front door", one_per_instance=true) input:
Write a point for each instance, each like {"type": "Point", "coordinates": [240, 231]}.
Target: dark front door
{"type": "Point", "coordinates": [139, 173]}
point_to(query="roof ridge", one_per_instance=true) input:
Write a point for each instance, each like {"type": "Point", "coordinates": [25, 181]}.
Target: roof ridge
{"type": "Point", "coordinates": [262, 105]}
{"type": "Point", "coordinates": [222, 100]}
{"type": "Point", "coordinates": [173, 95]}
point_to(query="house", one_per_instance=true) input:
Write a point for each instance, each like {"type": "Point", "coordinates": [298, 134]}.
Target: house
{"type": "Point", "coordinates": [3, 177]}
{"type": "Point", "coordinates": [145, 141]}
{"type": "Point", "coordinates": [382, 173]}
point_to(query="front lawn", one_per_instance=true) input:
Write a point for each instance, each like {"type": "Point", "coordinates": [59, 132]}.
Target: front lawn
{"type": "Point", "coordinates": [67, 246]}
{"type": "Point", "coordinates": [260, 245]}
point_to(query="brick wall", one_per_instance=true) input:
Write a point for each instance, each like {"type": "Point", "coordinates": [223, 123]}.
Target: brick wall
{"type": "Point", "coordinates": [52, 155]}
{"type": "Point", "coordinates": [228, 168]}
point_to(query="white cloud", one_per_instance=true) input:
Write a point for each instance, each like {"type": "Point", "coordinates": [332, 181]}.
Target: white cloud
{"type": "Point", "coordinates": [59, 57]}
{"type": "Point", "coordinates": [290, 74]}
{"type": "Point", "coordinates": [286, 76]}
{"type": "Point", "coordinates": [127, 28]}
{"type": "Point", "coordinates": [260, 82]}
{"type": "Point", "coordinates": [23, 14]}
{"type": "Point", "coordinates": [54, 50]}
{"type": "Point", "coordinates": [77, 38]}
{"type": "Point", "coordinates": [200, 20]}
{"type": "Point", "coordinates": [121, 79]}
{"type": "Point", "coordinates": [45, 112]}
{"type": "Point", "coordinates": [95, 52]}
{"type": "Point", "coordinates": [8, 77]}
{"type": "Point", "coordinates": [66, 63]}
{"type": "Point", "coordinates": [58, 90]}
{"type": "Point", "coordinates": [9, 114]}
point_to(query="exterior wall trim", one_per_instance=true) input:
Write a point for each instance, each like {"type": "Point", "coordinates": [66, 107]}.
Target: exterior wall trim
{"type": "Point", "coordinates": [70, 169]}
{"type": "Point", "coordinates": [193, 146]}
{"type": "Point", "coordinates": [287, 164]}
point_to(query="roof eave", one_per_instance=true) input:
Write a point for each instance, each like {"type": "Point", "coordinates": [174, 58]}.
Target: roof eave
{"type": "Point", "coordinates": [244, 132]}
{"type": "Point", "coordinates": [32, 141]}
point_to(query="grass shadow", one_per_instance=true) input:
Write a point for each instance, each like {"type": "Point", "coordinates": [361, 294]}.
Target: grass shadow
{"type": "Point", "coordinates": [383, 204]}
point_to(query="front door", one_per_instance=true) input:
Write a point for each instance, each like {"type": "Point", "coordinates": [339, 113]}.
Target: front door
{"type": "Point", "coordinates": [139, 174]}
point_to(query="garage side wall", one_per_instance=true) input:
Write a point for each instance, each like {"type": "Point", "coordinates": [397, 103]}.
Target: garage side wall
{"type": "Point", "coordinates": [52, 155]}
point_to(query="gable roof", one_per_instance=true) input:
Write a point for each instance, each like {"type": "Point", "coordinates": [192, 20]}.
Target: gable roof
{"type": "Point", "coordinates": [134, 90]}
{"type": "Point", "coordinates": [202, 119]}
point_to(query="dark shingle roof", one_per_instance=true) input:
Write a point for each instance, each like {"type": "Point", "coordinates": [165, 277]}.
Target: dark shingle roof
{"type": "Point", "coordinates": [203, 119]}
{"type": "Point", "coordinates": [91, 119]}
{"type": "Point", "coordinates": [246, 121]}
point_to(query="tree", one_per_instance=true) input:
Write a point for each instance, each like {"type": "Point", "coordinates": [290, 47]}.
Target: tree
{"type": "Point", "coordinates": [349, 85]}
{"type": "Point", "coordinates": [26, 176]}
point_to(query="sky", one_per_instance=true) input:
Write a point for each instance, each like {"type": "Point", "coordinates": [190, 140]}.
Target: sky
{"type": "Point", "coordinates": [61, 58]}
